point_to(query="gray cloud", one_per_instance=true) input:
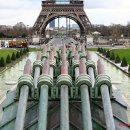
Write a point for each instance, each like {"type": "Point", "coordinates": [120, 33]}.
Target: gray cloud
{"type": "Point", "coordinates": [105, 3]}
{"type": "Point", "coordinates": [19, 4]}
{"type": "Point", "coordinates": [13, 11]}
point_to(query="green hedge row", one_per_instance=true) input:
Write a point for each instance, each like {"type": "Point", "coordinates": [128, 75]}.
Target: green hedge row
{"type": "Point", "coordinates": [13, 57]}
{"type": "Point", "coordinates": [129, 69]}
{"type": "Point", "coordinates": [111, 56]}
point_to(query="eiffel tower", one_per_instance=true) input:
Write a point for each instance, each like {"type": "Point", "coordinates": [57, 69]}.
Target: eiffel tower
{"type": "Point", "coordinates": [52, 9]}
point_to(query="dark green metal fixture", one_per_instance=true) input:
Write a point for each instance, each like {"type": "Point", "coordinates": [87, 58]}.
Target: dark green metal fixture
{"type": "Point", "coordinates": [64, 82]}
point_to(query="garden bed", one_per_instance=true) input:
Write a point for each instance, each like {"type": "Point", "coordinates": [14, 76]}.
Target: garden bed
{"type": "Point", "coordinates": [9, 57]}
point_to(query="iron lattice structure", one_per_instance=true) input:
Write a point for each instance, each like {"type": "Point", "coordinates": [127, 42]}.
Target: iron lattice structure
{"type": "Point", "coordinates": [52, 10]}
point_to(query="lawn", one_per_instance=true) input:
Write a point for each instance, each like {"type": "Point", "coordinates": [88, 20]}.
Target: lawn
{"type": "Point", "coordinates": [95, 49]}
{"type": "Point", "coordinates": [5, 52]}
{"type": "Point", "coordinates": [91, 49]}
{"type": "Point", "coordinates": [123, 53]}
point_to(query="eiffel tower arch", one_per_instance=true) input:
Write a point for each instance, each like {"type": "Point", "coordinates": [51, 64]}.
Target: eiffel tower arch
{"type": "Point", "coordinates": [51, 10]}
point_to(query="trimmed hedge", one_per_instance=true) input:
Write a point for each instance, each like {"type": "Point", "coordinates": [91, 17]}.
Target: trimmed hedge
{"type": "Point", "coordinates": [129, 69]}
{"type": "Point", "coordinates": [117, 60]}
{"type": "Point", "coordinates": [112, 56]}
{"type": "Point", "coordinates": [13, 56]}
{"type": "Point", "coordinates": [98, 50]}
{"type": "Point", "coordinates": [27, 49]}
{"type": "Point", "coordinates": [123, 52]}
{"type": "Point", "coordinates": [2, 62]}
{"type": "Point", "coordinates": [124, 62]}
{"type": "Point", "coordinates": [18, 54]}
{"type": "Point", "coordinates": [104, 52]}
{"type": "Point", "coordinates": [8, 59]}
{"type": "Point", "coordinates": [24, 51]}
{"type": "Point", "coordinates": [21, 52]}
{"type": "Point", "coordinates": [101, 50]}
{"type": "Point", "coordinates": [108, 54]}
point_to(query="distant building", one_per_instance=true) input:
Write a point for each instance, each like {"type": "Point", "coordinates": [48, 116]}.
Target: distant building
{"type": "Point", "coordinates": [52, 24]}
{"type": "Point", "coordinates": [90, 39]}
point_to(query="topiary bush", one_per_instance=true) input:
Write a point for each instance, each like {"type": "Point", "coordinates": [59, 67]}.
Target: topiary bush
{"type": "Point", "coordinates": [21, 52]}
{"type": "Point", "coordinates": [24, 51]}
{"type": "Point", "coordinates": [117, 59]}
{"type": "Point", "coordinates": [108, 54]}
{"type": "Point", "coordinates": [101, 50]}
{"type": "Point", "coordinates": [18, 54]}
{"type": "Point", "coordinates": [129, 69]}
{"type": "Point", "coordinates": [13, 56]}
{"type": "Point", "coordinates": [112, 56]}
{"type": "Point", "coordinates": [124, 62]}
{"type": "Point", "coordinates": [27, 49]}
{"type": "Point", "coordinates": [98, 49]}
{"type": "Point", "coordinates": [104, 52]}
{"type": "Point", "coordinates": [2, 62]}
{"type": "Point", "coordinates": [8, 59]}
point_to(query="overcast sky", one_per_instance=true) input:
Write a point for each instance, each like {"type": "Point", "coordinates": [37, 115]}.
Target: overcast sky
{"type": "Point", "coordinates": [105, 12]}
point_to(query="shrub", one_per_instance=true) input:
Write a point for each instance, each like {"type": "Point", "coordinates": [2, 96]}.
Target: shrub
{"type": "Point", "coordinates": [98, 50]}
{"type": "Point", "coordinates": [8, 59]}
{"type": "Point", "coordinates": [112, 56]}
{"type": "Point", "coordinates": [24, 51]}
{"type": "Point", "coordinates": [124, 62]}
{"type": "Point", "coordinates": [13, 56]}
{"type": "Point", "coordinates": [21, 52]}
{"type": "Point", "coordinates": [108, 54]}
{"type": "Point", "coordinates": [101, 50]}
{"type": "Point", "coordinates": [117, 60]}
{"type": "Point", "coordinates": [18, 54]}
{"type": "Point", "coordinates": [104, 52]}
{"type": "Point", "coordinates": [129, 69]}
{"type": "Point", "coordinates": [27, 49]}
{"type": "Point", "coordinates": [2, 62]}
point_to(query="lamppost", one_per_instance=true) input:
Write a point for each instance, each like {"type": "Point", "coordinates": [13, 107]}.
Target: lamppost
{"type": "Point", "coordinates": [27, 33]}
{"type": "Point", "coordinates": [62, 41]}
{"type": "Point", "coordinates": [128, 33]}
{"type": "Point", "coordinates": [6, 33]}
